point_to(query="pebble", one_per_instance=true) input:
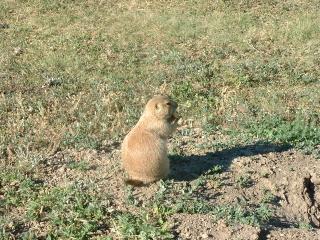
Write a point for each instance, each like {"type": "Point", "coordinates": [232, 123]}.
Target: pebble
{"type": "Point", "coordinates": [17, 51]}
{"type": "Point", "coordinates": [204, 236]}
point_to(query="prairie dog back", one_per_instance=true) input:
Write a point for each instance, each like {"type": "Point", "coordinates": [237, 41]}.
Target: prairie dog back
{"type": "Point", "coordinates": [144, 149]}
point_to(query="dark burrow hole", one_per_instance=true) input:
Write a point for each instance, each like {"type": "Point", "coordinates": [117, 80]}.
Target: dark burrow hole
{"type": "Point", "coordinates": [309, 185]}
{"type": "Point", "coordinates": [311, 191]}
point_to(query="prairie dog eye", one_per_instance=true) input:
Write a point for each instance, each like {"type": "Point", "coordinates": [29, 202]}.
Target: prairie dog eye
{"type": "Point", "coordinates": [168, 103]}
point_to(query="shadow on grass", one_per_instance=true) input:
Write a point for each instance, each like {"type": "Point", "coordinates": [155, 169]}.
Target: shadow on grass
{"type": "Point", "coordinates": [187, 168]}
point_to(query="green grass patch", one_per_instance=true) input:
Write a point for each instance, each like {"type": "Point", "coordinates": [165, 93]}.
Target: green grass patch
{"type": "Point", "coordinates": [71, 212]}
{"type": "Point", "coordinates": [80, 165]}
{"type": "Point", "coordinates": [142, 226]}
{"type": "Point", "coordinates": [299, 132]}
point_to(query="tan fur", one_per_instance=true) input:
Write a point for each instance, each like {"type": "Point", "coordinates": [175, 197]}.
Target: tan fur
{"type": "Point", "coordinates": [144, 149]}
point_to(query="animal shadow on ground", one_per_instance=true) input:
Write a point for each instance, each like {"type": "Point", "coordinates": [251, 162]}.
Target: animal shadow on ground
{"type": "Point", "coordinates": [188, 168]}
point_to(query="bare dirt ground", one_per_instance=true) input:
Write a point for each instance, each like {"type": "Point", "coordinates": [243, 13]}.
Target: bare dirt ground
{"type": "Point", "coordinates": [285, 178]}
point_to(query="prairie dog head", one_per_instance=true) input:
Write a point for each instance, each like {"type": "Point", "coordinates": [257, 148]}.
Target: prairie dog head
{"type": "Point", "coordinates": [162, 108]}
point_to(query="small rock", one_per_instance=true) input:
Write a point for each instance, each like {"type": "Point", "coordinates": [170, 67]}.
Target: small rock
{"type": "Point", "coordinates": [62, 169]}
{"type": "Point", "coordinates": [17, 51]}
{"type": "Point", "coordinates": [204, 236]}
{"type": "Point", "coordinates": [315, 179]}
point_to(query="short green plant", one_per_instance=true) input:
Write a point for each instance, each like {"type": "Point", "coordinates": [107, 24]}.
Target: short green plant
{"type": "Point", "coordinates": [268, 197]}
{"type": "Point", "coordinates": [141, 226]}
{"type": "Point", "coordinates": [244, 181]}
{"type": "Point", "coordinates": [192, 205]}
{"type": "Point", "coordinates": [211, 174]}
{"type": "Point", "coordinates": [71, 212]}
{"type": "Point", "coordinates": [80, 165]}
{"type": "Point", "coordinates": [305, 225]}
{"type": "Point", "coordinates": [245, 215]}
{"type": "Point", "coordinates": [216, 169]}
{"type": "Point", "coordinates": [198, 183]}
{"type": "Point", "coordinates": [164, 188]}
{"type": "Point", "coordinates": [130, 199]}
{"type": "Point", "coordinates": [18, 189]}
{"type": "Point", "coordinates": [233, 213]}
{"type": "Point", "coordinates": [300, 132]}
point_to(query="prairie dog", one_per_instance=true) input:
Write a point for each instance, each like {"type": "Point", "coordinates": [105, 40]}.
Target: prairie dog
{"type": "Point", "coordinates": [144, 149]}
